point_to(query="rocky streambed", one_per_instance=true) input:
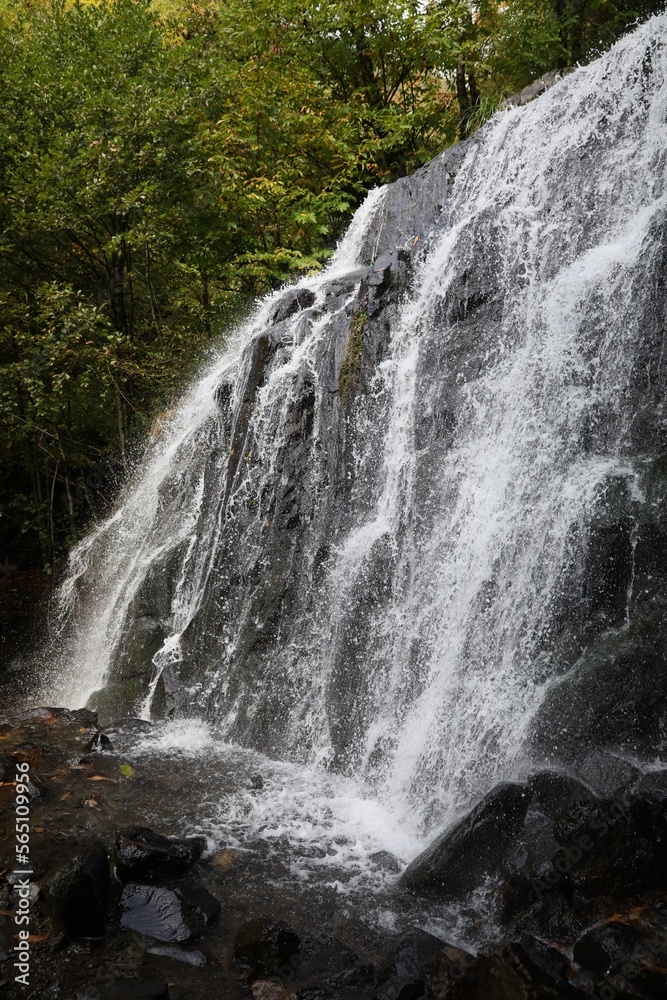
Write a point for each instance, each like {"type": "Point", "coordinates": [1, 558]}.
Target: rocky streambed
{"type": "Point", "coordinates": [568, 881]}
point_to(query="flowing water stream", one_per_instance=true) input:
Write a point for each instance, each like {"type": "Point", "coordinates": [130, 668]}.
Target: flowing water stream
{"type": "Point", "coordinates": [425, 621]}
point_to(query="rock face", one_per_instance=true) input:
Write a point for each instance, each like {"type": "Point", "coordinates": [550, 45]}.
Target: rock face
{"type": "Point", "coordinates": [459, 860]}
{"type": "Point", "coordinates": [414, 523]}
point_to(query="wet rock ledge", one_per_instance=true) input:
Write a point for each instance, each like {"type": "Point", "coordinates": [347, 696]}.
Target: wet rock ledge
{"type": "Point", "coordinates": [121, 910]}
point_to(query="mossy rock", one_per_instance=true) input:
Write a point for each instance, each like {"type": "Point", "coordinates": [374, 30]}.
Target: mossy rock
{"type": "Point", "coordinates": [118, 700]}
{"type": "Point", "coordinates": [354, 350]}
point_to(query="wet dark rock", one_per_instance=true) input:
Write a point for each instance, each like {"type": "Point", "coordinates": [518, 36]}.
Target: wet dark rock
{"type": "Point", "coordinates": [622, 848]}
{"type": "Point", "coordinates": [537, 87]}
{"type": "Point", "coordinates": [383, 270]}
{"type": "Point", "coordinates": [607, 772]}
{"type": "Point", "coordinates": [292, 301]}
{"type": "Point", "coordinates": [552, 792]}
{"type": "Point", "coordinates": [265, 946]}
{"type": "Point", "coordinates": [7, 769]}
{"type": "Point", "coordinates": [257, 781]}
{"type": "Point", "coordinates": [612, 698]}
{"type": "Point", "coordinates": [511, 972]}
{"type": "Point", "coordinates": [143, 639]}
{"type": "Point", "coordinates": [547, 965]}
{"type": "Point", "coordinates": [100, 741]}
{"type": "Point", "coordinates": [473, 848]}
{"type": "Point", "coordinates": [352, 978]}
{"type": "Point", "coordinates": [171, 915]}
{"type": "Point", "coordinates": [133, 989]}
{"type": "Point", "coordinates": [77, 893]}
{"type": "Point", "coordinates": [603, 947]}
{"type": "Point", "coordinates": [409, 957]}
{"type": "Point", "coordinates": [417, 204]}
{"type": "Point", "coordinates": [140, 853]}
{"type": "Point", "coordinates": [596, 849]}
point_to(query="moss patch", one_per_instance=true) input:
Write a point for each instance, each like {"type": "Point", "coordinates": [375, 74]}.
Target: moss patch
{"type": "Point", "coordinates": [353, 353]}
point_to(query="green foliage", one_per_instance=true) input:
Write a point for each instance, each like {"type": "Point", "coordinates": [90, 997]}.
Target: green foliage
{"type": "Point", "coordinates": [161, 167]}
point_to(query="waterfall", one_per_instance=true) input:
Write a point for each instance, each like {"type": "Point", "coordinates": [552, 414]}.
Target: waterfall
{"type": "Point", "coordinates": [389, 584]}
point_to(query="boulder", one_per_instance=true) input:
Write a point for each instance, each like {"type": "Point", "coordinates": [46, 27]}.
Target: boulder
{"type": "Point", "coordinates": [171, 915]}
{"type": "Point", "coordinates": [409, 957]}
{"type": "Point", "coordinates": [475, 847]}
{"type": "Point", "coordinates": [141, 853]}
{"type": "Point", "coordinates": [77, 893]}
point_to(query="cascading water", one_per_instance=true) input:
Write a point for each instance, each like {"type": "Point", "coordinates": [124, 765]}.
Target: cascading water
{"type": "Point", "coordinates": [360, 540]}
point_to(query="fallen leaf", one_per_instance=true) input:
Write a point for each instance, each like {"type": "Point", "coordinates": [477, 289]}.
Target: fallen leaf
{"type": "Point", "coordinates": [224, 859]}
{"type": "Point", "coordinates": [99, 777]}
{"type": "Point", "coordinates": [126, 770]}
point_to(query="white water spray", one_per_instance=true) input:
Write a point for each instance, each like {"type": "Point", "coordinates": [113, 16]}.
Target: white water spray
{"type": "Point", "coordinates": [423, 633]}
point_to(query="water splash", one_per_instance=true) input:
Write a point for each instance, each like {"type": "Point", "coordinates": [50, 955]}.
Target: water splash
{"type": "Point", "coordinates": [428, 570]}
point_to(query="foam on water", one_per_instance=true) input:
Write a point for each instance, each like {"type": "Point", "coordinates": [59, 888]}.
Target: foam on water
{"type": "Point", "coordinates": [328, 826]}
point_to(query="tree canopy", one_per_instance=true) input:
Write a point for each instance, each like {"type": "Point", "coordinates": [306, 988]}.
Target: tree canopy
{"type": "Point", "coordinates": [161, 166]}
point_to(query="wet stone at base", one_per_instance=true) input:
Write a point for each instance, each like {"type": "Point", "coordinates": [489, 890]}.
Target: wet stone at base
{"type": "Point", "coordinates": [173, 915]}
